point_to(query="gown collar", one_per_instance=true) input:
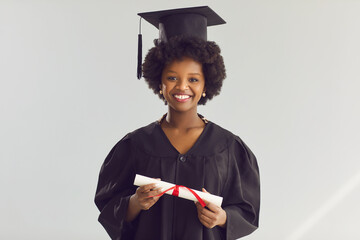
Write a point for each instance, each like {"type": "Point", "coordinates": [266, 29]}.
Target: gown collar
{"type": "Point", "coordinates": [198, 141]}
{"type": "Point", "coordinates": [200, 116]}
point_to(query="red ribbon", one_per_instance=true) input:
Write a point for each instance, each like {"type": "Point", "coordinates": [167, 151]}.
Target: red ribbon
{"type": "Point", "coordinates": [176, 193]}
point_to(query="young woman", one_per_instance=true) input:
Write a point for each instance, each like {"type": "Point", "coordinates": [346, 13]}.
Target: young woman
{"type": "Point", "coordinates": [182, 148]}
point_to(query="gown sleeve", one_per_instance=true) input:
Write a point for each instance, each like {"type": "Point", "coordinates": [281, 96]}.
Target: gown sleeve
{"type": "Point", "coordinates": [114, 190]}
{"type": "Point", "coordinates": [242, 191]}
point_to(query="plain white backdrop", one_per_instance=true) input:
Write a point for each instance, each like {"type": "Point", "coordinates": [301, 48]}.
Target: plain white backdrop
{"type": "Point", "coordinates": [68, 93]}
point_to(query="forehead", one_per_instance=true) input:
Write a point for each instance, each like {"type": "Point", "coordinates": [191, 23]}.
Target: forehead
{"type": "Point", "coordinates": [184, 64]}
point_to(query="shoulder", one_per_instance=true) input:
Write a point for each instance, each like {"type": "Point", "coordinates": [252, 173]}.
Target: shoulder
{"type": "Point", "coordinates": [220, 131]}
{"type": "Point", "coordinates": [221, 134]}
{"type": "Point", "coordinates": [140, 133]}
{"type": "Point", "coordinates": [214, 140]}
{"type": "Point", "coordinates": [227, 138]}
{"type": "Point", "coordinates": [147, 139]}
{"type": "Point", "coordinates": [240, 155]}
{"type": "Point", "coordinates": [143, 132]}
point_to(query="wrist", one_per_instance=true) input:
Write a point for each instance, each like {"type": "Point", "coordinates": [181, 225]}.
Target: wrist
{"type": "Point", "coordinates": [133, 209]}
{"type": "Point", "coordinates": [222, 224]}
{"type": "Point", "coordinates": [134, 203]}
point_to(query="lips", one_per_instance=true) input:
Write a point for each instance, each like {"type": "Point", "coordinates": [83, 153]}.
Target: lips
{"type": "Point", "coordinates": [181, 97]}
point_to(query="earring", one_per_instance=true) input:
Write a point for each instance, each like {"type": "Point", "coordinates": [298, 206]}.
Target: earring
{"type": "Point", "coordinates": [161, 92]}
{"type": "Point", "coordinates": [203, 94]}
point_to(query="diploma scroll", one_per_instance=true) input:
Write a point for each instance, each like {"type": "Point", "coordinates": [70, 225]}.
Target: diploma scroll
{"type": "Point", "coordinates": [141, 180]}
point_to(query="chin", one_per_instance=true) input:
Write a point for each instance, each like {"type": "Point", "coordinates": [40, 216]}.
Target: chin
{"type": "Point", "coordinates": [178, 108]}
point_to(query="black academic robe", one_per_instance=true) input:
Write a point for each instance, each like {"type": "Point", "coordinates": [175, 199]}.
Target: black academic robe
{"type": "Point", "coordinates": [219, 161]}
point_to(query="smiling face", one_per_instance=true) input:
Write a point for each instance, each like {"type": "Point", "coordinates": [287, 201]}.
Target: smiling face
{"type": "Point", "coordinates": [183, 83]}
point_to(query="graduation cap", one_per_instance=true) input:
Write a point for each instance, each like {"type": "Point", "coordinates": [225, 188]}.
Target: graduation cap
{"type": "Point", "coordinates": [186, 22]}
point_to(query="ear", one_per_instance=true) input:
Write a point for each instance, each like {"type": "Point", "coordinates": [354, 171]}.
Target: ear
{"type": "Point", "coordinates": [160, 86]}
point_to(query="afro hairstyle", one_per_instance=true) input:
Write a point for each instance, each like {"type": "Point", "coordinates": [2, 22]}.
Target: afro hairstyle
{"type": "Point", "coordinates": [205, 52]}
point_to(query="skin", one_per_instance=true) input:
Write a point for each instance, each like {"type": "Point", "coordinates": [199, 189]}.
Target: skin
{"type": "Point", "coordinates": [183, 127]}
{"type": "Point", "coordinates": [142, 199]}
{"type": "Point", "coordinates": [211, 215]}
{"type": "Point", "coordinates": [182, 124]}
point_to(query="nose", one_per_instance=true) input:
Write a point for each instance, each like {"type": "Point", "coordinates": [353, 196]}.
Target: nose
{"type": "Point", "coordinates": [182, 84]}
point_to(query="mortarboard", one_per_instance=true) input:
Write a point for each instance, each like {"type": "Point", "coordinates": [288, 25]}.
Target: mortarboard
{"type": "Point", "coordinates": [187, 22]}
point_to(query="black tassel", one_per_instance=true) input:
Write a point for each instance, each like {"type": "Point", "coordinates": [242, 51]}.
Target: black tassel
{"type": "Point", "coordinates": [139, 65]}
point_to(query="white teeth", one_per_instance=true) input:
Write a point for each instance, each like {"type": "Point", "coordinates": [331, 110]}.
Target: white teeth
{"type": "Point", "coordinates": [182, 96]}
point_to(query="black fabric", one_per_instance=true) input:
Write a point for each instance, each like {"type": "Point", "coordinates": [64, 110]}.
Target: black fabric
{"type": "Point", "coordinates": [156, 17]}
{"type": "Point", "coordinates": [139, 68]}
{"type": "Point", "coordinates": [189, 22]}
{"type": "Point", "coordinates": [219, 161]}
{"type": "Point", "coordinates": [186, 25]}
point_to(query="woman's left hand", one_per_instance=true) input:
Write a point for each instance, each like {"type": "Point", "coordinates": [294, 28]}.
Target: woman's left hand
{"type": "Point", "coordinates": [211, 215]}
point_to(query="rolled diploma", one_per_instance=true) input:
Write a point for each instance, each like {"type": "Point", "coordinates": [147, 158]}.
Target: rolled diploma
{"type": "Point", "coordinates": [141, 180]}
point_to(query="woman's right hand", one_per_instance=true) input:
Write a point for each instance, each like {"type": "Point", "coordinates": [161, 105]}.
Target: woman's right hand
{"type": "Point", "coordinates": [145, 196]}
{"type": "Point", "coordinates": [143, 199]}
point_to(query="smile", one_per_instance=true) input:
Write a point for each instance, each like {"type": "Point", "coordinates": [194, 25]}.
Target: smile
{"type": "Point", "coordinates": [181, 97]}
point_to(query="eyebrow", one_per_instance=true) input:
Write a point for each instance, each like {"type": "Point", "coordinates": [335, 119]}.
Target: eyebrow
{"type": "Point", "coordinates": [170, 71]}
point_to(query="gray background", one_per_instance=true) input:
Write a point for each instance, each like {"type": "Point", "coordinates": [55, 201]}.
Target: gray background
{"type": "Point", "coordinates": [68, 93]}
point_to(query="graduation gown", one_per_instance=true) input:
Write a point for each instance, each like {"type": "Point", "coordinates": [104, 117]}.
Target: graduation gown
{"type": "Point", "coordinates": [219, 161]}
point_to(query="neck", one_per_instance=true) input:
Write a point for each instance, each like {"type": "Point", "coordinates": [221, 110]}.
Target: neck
{"type": "Point", "coordinates": [183, 120]}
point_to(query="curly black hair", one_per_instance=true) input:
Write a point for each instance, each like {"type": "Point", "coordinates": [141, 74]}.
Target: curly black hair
{"type": "Point", "coordinates": [205, 52]}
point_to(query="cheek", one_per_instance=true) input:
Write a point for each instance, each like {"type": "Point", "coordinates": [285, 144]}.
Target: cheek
{"type": "Point", "coordinates": [168, 86]}
{"type": "Point", "coordinates": [164, 88]}
{"type": "Point", "coordinates": [200, 89]}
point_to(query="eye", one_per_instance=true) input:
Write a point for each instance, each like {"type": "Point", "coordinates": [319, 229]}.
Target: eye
{"type": "Point", "coordinates": [193, 80]}
{"type": "Point", "coordinates": [171, 78]}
